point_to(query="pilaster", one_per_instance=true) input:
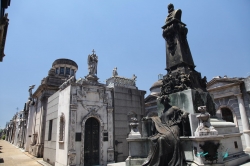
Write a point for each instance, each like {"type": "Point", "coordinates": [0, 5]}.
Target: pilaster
{"type": "Point", "coordinates": [110, 133]}
{"type": "Point", "coordinates": [244, 119]}
{"type": "Point", "coordinates": [72, 129]}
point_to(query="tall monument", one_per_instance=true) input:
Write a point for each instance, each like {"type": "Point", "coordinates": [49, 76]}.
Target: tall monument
{"type": "Point", "coordinates": [179, 59]}
{"type": "Point", "coordinates": [181, 74]}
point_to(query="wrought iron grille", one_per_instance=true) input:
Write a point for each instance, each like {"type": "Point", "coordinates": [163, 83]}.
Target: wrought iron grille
{"type": "Point", "coordinates": [91, 144]}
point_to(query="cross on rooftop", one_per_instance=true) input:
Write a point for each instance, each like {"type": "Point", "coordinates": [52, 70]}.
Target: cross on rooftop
{"type": "Point", "coordinates": [93, 51]}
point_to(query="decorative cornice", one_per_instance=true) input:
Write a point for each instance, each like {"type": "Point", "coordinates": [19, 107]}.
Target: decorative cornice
{"type": "Point", "coordinates": [230, 80]}
{"type": "Point", "coordinates": [224, 86]}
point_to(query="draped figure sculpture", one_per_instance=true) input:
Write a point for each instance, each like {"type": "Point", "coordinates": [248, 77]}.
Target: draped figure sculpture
{"type": "Point", "coordinates": [92, 63]}
{"type": "Point", "coordinates": [166, 149]}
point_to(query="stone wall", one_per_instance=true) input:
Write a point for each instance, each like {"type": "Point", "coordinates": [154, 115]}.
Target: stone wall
{"type": "Point", "coordinates": [63, 107]}
{"type": "Point", "coordinates": [52, 114]}
{"type": "Point", "coordinates": [125, 101]}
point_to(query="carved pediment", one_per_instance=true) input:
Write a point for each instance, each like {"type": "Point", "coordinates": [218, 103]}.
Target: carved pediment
{"type": "Point", "coordinates": [224, 87]}
{"type": "Point", "coordinates": [223, 83]}
{"type": "Point", "coordinates": [218, 84]}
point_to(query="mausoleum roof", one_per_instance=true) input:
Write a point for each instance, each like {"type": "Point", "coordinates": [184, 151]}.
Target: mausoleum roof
{"type": "Point", "coordinates": [64, 61]}
{"type": "Point", "coordinates": [157, 84]}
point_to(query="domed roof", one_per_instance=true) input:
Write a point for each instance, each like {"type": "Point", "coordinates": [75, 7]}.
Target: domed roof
{"type": "Point", "coordinates": [157, 84]}
{"type": "Point", "coordinates": [64, 61]}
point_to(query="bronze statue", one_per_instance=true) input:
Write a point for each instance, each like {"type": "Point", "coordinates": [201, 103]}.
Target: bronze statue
{"type": "Point", "coordinates": [166, 149]}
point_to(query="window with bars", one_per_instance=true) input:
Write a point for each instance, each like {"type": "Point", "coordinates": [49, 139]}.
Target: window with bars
{"type": "Point", "coordinates": [61, 128]}
{"type": "Point", "coordinates": [50, 130]}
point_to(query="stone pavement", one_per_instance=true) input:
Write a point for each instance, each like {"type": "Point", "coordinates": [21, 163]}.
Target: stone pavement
{"type": "Point", "coordinates": [13, 156]}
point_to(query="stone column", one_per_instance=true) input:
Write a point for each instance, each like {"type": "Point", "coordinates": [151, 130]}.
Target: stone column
{"type": "Point", "coordinates": [244, 120]}
{"type": "Point", "coordinates": [72, 129]}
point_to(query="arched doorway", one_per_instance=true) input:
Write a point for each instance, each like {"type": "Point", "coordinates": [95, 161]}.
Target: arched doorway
{"type": "Point", "coordinates": [91, 143]}
{"type": "Point", "coordinates": [227, 114]}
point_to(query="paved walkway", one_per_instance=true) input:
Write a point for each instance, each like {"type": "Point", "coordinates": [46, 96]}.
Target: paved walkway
{"type": "Point", "coordinates": [13, 156]}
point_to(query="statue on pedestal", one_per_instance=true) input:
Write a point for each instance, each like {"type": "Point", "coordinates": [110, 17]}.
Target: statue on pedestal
{"type": "Point", "coordinates": [205, 128]}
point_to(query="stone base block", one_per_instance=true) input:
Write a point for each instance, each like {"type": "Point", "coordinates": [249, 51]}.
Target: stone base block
{"type": "Point", "coordinates": [134, 161]}
{"type": "Point", "coordinates": [235, 161]}
{"type": "Point", "coordinates": [138, 147]}
{"type": "Point", "coordinates": [229, 150]}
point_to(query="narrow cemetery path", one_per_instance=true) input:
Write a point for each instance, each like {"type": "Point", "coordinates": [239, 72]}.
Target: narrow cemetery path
{"type": "Point", "coordinates": [13, 156]}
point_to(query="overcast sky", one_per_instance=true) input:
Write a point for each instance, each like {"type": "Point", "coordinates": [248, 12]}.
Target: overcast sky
{"type": "Point", "coordinates": [126, 34]}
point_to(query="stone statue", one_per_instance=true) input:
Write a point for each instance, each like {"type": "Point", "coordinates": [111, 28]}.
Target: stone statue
{"type": "Point", "coordinates": [30, 90]}
{"type": "Point", "coordinates": [166, 149]}
{"type": "Point", "coordinates": [134, 79]}
{"type": "Point", "coordinates": [30, 99]}
{"type": "Point", "coordinates": [115, 72]}
{"type": "Point", "coordinates": [204, 127]}
{"type": "Point", "coordinates": [92, 63]}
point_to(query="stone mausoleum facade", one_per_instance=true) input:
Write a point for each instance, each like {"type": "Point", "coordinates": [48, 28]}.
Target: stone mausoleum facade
{"type": "Point", "coordinates": [60, 71]}
{"type": "Point", "coordinates": [232, 102]}
{"type": "Point", "coordinates": [87, 121]}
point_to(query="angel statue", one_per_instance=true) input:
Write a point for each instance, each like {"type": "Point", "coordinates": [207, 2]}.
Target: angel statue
{"type": "Point", "coordinates": [92, 63]}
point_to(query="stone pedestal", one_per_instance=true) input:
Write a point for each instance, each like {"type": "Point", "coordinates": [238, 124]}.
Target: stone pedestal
{"type": "Point", "coordinates": [138, 151]}
{"type": "Point", "coordinates": [138, 146]}
{"type": "Point", "coordinates": [189, 100]}
{"type": "Point", "coordinates": [92, 78]}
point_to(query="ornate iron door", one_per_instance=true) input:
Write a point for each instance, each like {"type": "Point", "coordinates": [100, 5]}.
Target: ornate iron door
{"type": "Point", "coordinates": [91, 142]}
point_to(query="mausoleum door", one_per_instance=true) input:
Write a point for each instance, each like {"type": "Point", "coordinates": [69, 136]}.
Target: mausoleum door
{"type": "Point", "coordinates": [227, 114]}
{"type": "Point", "coordinates": [91, 142]}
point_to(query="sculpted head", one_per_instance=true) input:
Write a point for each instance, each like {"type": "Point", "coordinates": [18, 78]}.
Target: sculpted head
{"type": "Point", "coordinates": [170, 8]}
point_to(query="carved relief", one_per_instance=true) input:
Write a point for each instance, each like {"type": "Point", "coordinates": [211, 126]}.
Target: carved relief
{"type": "Point", "coordinates": [81, 92]}
{"type": "Point", "coordinates": [72, 129]}
{"type": "Point", "coordinates": [90, 108]}
{"type": "Point", "coordinates": [101, 93]}
{"type": "Point", "coordinates": [72, 157]}
{"type": "Point", "coordinates": [110, 127]}
{"type": "Point", "coordinates": [105, 98]}
{"type": "Point", "coordinates": [74, 99]}
{"type": "Point", "coordinates": [177, 83]}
